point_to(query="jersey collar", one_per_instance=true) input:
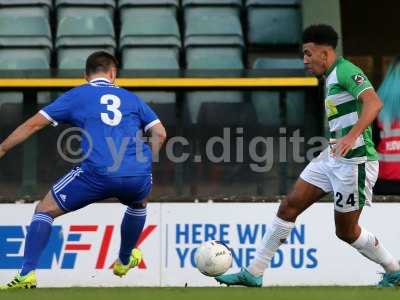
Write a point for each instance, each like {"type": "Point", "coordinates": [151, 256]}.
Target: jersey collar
{"type": "Point", "coordinates": [100, 79]}
{"type": "Point", "coordinates": [330, 69]}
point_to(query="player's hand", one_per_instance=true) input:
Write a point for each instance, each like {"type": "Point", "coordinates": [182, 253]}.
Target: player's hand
{"type": "Point", "coordinates": [343, 145]}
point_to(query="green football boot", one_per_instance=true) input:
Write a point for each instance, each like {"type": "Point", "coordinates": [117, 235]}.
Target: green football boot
{"type": "Point", "coordinates": [120, 269]}
{"type": "Point", "coordinates": [22, 282]}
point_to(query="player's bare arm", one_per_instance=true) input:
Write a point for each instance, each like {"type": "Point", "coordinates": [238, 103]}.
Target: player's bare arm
{"type": "Point", "coordinates": [158, 135]}
{"type": "Point", "coordinates": [23, 132]}
{"type": "Point", "coordinates": [371, 107]}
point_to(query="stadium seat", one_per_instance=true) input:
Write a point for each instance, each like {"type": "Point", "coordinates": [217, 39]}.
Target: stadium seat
{"type": "Point", "coordinates": [213, 38]}
{"type": "Point", "coordinates": [221, 114]}
{"type": "Point", "coordinates": [269, 101]}
{"type": "Point", "coordinates": [104, 3]}
{"type": "Point", "coordinates": [11, 110]}
{"type": "Point", "coordinates": [154, 97]}
{"type": "Point", "coordinates": [265, 101]}
{"type": "Point", "coordinates": [212, 3]}
{"type": "Point", "coordinates": [274, 22]}
{"type": "Point", "coordinates": [270, 113]}
{"type": "Point", "coordinates": [199, 125]}
{"type": "Point", "coordinates": [24, 58]}
{"type": "Point", "coordinates": [163, 104]}
{"type": "Point", "coordinates": [48, 3]}
{"type": "Point", "coordinates": [295, 108]}
{"type": "Point", "coordinates": [78, 26]}
{"type": "Point", "coordinates": [75, 58]}
{"type": "Point", "coordinates": [214, 57]}
{"type": "Point", "coordinates": [278, 63]}
{"type": "Point", "coordinates": [26, 8]}
{"type": "Point", "coordinates": [127, 3]}
{"type": "Point", "coordinates": [25, 38]}
{"type": "Point", "coordinates": [85, 23]}
{"type": "Point", "coordinates": [24, 27]}
{"type": "Point", "coordinates": [150, 38]}
{"type": "Point", "coordinates": [194, 100]}
{"type": "Point", "coordinates": [145, 58]}
{"type": "Point", "coordinates": [212, 25]}
{"type": "Point", "coordinates": [149, 26]}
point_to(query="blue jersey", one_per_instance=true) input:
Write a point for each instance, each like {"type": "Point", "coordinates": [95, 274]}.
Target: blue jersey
{"type": "Point", "coordinates": [112, 119]}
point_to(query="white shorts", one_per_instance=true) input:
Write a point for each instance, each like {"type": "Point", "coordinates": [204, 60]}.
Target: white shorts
{"type": "Point", "coordinates": [350, 183]}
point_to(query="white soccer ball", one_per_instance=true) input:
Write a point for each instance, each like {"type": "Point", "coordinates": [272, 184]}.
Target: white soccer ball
{"type": "Point", "coordinates": [213, 258]}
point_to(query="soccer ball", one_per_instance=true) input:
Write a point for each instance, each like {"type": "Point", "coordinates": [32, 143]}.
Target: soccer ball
{"type": "Point", "coordinates": [213, 258]}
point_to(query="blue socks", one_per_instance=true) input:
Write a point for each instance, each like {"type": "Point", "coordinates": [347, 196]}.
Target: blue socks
{"type": "Point", "coordinates": [40, 229]}
{"type": "Point", "coordinates": [131, 228]}
{"type": "Point", "coordinates": [36, 240]}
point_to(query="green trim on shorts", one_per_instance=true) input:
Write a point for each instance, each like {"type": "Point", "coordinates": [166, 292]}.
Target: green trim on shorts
{"type": "Point", "coordinates": [361, 185]}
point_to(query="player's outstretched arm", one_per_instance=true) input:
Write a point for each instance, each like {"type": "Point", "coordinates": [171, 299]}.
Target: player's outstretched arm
{"type": "Point", "coordinates": [23, 132]}
{"type": "Point", "coordinates": [370, 110]}
{"type": "Point", "coordinates": [158, 135]}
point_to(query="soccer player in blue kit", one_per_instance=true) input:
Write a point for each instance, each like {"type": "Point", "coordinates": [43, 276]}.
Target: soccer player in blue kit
{"type": "Point", "coordinates": [112, 117]}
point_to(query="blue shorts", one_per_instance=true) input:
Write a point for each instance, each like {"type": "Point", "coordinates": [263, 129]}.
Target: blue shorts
{"type": "Point", "coordinates": [80, 188]}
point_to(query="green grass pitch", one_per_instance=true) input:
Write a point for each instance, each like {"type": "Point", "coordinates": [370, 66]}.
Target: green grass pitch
{"type": "Point", "coordinates": [232, 293]}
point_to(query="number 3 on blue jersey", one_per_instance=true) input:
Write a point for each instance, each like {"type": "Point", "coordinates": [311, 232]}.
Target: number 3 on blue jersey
{"type": "Point", "coordinates": [113, 103]}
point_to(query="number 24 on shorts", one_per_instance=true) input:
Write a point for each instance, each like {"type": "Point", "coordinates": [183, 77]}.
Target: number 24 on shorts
{"type": "Point", "coordinates": [339, 200]}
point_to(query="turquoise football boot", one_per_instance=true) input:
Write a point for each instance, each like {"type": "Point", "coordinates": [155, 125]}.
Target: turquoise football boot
{"type": "Point", "coordinates": [390, 280]}
{"type": "Point", "coordinates": [244, 278]}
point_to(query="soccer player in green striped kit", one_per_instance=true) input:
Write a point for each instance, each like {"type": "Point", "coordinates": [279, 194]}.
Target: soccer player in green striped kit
{"type": "Point", "coordinates": [348, 168]}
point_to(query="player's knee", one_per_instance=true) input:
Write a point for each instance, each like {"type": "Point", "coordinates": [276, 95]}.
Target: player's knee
{"type": "Point", "coordinates": [48, 206]}
{"type": "Point", "coordinates": [287, 210]}
{"type": "Point", "coordinates": [43, 207]}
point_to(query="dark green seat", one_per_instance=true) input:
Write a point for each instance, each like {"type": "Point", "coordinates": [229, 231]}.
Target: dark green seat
{"type": "Point", "coordinates": [150, 58]}
{"type": "Point", "coordinates": [75, 58]}
{"type": "Point", "coordinates": [85, 26]}
{"type": "Point", "coordinates": [274, 22]}
{"type": "Point", "coordinates": [278, 63]}
{"type": "Point", "coordinates": [212, 23]}
{"type": "Point", "coordinates": [149, 27]}
{"type": "Point", "coordinates": [25, 27]}
{"type": "Point", "coordinates": [214, 58]}
{"type": "Point", "coordinates": [150, 38]}
{"type": "Point", "coordinates": [211, 3]}
{"type": "Point", "coordinates": [267, 102]}
{"type": "Point", "coordinates": [5, 3]}
{"type": "Point", "coordinates": [103, 3]}
{"type": "Point", "coordinates": [127, 3]}
{"type": "Point", "coordinates": [194, 101]}
{"type": "Point", "coordinates": [24, 58]}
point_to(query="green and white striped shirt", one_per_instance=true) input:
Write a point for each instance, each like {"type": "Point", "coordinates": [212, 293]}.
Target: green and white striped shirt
{"type": "Point", "coordinates": [344, 84]}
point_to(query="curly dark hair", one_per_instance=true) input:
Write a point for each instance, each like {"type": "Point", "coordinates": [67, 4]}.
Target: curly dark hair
{"type": "Point", "coordinates": [321, 34]}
